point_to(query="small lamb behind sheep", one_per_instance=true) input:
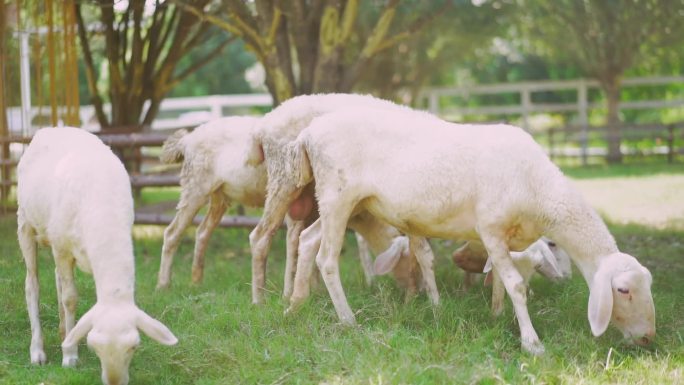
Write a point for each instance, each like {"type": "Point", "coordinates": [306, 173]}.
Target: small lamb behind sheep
{"type": "Point", "coordinates": [455, 181]}
{"type": "Point", "coordinates": [75, 196]}
{"type": "Point", "coordinates": [215, 170]}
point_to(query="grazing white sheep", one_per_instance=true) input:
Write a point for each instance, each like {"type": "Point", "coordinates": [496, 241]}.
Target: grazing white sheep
{"type": "Point", "coordinates": [215, 170]}
{"type": "Point", "coordinates": [487, 182]}
{"type": "Point", "coordinates": [276, 130]}
{"type": "Point", "coordinates": [75, 196]}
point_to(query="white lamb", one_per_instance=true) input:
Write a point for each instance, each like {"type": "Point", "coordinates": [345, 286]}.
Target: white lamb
{"type": "Point", "coordinates": [215, 170]}
{"type": "Point", "coordinates": [75, 196]}
{"type": "Point", "coordinates": [276, 130]}
{"type": "Point", "coordinates": [543, 256]}
{"type": "Point", "coordinates": [488, 182]}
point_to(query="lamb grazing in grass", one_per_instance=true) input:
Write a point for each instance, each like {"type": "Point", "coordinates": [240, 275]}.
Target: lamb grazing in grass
{"type": "Point", "coordinates": [75, 196]}
{"type": "Point", "coordinates": [489, 182]}
{"type": "Point", "coordinates": [215, 170]}
{"type": "Point", "coordinates": [271, 146]}
{"type": "Point", "coordinates": [543, 256]}
{"type": "Point", "coordinates": [472, 257]}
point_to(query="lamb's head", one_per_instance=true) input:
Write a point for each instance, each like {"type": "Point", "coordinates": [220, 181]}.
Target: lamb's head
{"type": "Point", "coordinates": [621, 292]}
{"type": "Point", "coordinates": [112, 331]}
{"type": "Point", "coordinates": [562, 259]}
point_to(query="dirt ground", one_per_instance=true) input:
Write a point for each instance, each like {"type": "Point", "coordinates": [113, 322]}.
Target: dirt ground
{"type": "Point", "coordinates": [656, 201]}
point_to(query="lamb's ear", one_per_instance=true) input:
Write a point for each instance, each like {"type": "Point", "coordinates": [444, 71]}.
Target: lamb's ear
{"type": "Point", "coordinates": [600, 301]}
{"type": "Point", "coordinates": [385, 262]}
{"type": "Point", "coordinates": [82, 327]}
{"type": "Point", "coordinates": [155, 329]}
{"type": "Point", "coordinates": [548, 266]}
{"type": "Point", "coordinates": [255, 152]}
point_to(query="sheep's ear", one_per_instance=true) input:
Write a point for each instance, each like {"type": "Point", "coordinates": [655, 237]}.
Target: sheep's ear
{"type": "Point", "coordinates": [548, 267]}
{"type": "Point", "coordinates": [489, 278]}
{"type": "Point", "coordinates": [255, 153]}
{"type": "Point", "coordinates": [385, 262]}
{"type": "Point", "coordinates": [82, 327]}
{"type": "Point", "coordinates": [600, 302]}
{"type": "Point", "coordinates": [155, 329]}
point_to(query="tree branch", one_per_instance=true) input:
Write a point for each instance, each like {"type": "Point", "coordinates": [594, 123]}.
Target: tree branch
{"type": "Point", "coordinates": [90, 68]}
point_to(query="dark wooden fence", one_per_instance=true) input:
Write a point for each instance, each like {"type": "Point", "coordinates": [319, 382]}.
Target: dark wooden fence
{"type": "Point", "coordinates": [145, 171]}
{"type": "Point", "coordinates": [637, 141]}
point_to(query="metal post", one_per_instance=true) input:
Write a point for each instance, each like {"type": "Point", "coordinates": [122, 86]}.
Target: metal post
{"type": "Point", "coordinates": [583, 117]}
{"type": "Point", "coordinates": [527, 107]}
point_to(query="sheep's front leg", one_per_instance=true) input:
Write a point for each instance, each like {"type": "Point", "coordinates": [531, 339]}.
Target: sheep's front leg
{"type": "Point", "coordinates": [294, 229]}
{"type": "Point", "coordinates": [187, 208]}
{"type": "Point", "coordinates": [27, 244]}
{"type": "Point", "coordinates": [365, 257]}
{"type": "Point", "coordinates": [333, 228]}
{"type": "Point", "coordinates": [217, 206]}
{"type": "Point", "coordinates": [68, 297]}
{"type": "Point", "coordinates": [309, 244]}
{"type": "Point", "coordinates": [498, 293]}
{"type": "Point", "coordinates": [516, 288]}
{"type": "Point", "coordinates": [420, 247]}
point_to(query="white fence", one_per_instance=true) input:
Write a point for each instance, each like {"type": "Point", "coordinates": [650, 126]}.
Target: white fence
{"type": "Point", "coordinates": [182, 112]}
{"type": "Point", "coordinates": [431, 98]}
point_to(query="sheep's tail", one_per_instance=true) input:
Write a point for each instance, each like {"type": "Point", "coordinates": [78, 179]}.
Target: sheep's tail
{"type": "Point", "coordinates": [172, 150]}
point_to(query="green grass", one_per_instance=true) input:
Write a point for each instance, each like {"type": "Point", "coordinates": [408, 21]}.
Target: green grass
{"type": "Point", "coordinates": [226, 340]}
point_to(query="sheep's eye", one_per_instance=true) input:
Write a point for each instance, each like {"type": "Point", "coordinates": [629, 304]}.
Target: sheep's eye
{"type": "Point", "coordinates": [622, 290]}
{"type": "Point", "coordinates": [551, 244]}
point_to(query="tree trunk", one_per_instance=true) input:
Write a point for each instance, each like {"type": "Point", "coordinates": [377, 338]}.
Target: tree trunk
{"type": "Point", "coordinates": [611, 87]}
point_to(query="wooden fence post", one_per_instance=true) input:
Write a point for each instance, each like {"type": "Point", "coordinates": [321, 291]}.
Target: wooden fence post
{"type": "Point", "coordinates": [670, 143]}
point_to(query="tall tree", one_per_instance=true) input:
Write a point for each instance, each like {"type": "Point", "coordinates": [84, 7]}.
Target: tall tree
{"type": "Point", "coordinates": [142, 48]}
{"type": "Point", "coordinates": [605, 38]}
{"type": "Point", "coordinates": [314, 46]}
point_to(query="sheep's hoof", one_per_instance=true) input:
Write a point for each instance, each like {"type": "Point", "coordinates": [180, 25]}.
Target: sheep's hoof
{"type": "Point", "coordinates": [535, 348]}
{"type": "Point", "coordinates": [163, 286]}
{"type": "Point", "coordinates": [69, 362]}
{"type": "Point", "coordinates": [38, 358]}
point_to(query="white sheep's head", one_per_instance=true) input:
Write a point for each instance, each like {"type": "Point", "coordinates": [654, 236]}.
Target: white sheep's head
{"type": "Point", "coordinates": [621, 292]}
{"type": "Point", "coordinates": [549, 260]}
{"type": "Point", "coordinates": [112, 331]}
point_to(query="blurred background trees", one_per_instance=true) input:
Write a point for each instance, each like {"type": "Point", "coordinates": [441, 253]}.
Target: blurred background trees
{"type": "Point", "coordinates": [133, 53]}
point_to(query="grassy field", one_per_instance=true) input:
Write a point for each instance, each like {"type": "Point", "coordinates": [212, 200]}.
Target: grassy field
{"type": "Point", "coordinates": [226, 340]}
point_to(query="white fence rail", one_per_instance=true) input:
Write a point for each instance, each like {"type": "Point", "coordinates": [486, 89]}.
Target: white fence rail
{"type": "Point", "coordinates": [431, 98]}
{"type": "Point", "coordinates": [188, 111]}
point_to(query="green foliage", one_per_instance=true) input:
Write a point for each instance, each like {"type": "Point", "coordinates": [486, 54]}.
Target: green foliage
{"type": "Point", "coordinates": [222, 76]}
{"type": "Point", "coordinates": [225, 339]}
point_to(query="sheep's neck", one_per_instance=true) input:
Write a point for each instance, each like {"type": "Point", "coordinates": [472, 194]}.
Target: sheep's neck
{"type": "Point", "coordinates": [114, 274]}
{"type": "Point", "coordinates": [586, 239]}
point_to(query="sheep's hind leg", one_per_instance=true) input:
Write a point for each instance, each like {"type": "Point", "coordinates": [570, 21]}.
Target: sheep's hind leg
{"type": "Point", "coordinates": [333, 229]}
{"type": "Point", "coordinates": [516, 288]}
{"type": "Point", "coordinates": [187, 208]}
{"type": "Point", "coordinates": [217, 206]}
{"type": "Point", "coordinates": [309, 245]}
{"type": "Point", "coordinates": [260, 239]}
{"type": "Point", "coordinates": [68, 297]}
{"type": "Point", "coordinates": [498, 293]}
{"type": "Point", "coordinates": [27, 244]}
{"type": "Point", "coordinates": [294, 230]}
{"type": "Point", "coordinates": [365, 257]}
